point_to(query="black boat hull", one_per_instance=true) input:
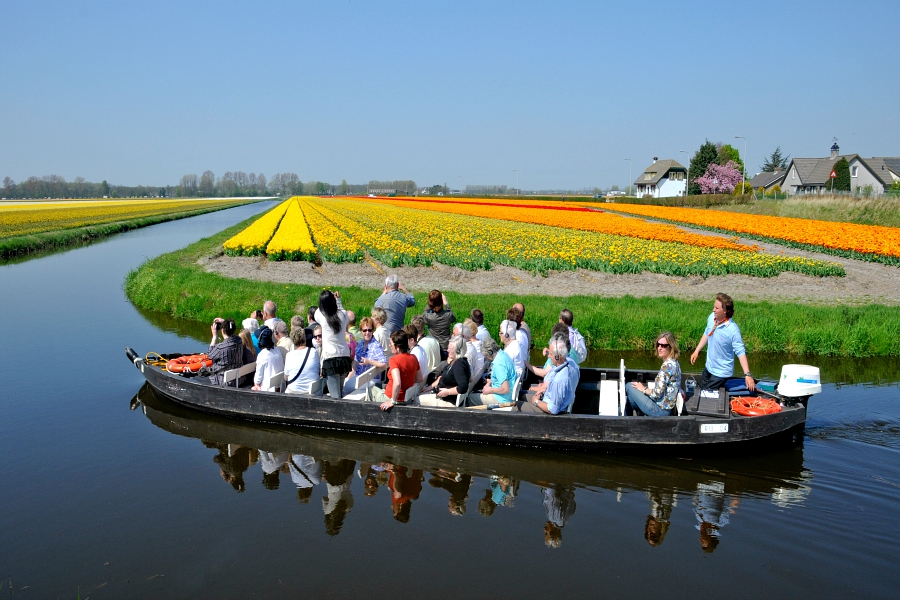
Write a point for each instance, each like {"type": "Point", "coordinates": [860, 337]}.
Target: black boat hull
{"type": "Point", "coordinates": [586, 431]}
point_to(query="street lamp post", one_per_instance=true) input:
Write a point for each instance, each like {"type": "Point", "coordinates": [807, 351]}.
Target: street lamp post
{"type": "Point", "coordinates": [629, 172]}
{"type": "Point", "coordinates": [516, 171]}
{"type": "Point", "coordinates": [744, 170]}
{"type": "Point", "coordinates": [687, 178]}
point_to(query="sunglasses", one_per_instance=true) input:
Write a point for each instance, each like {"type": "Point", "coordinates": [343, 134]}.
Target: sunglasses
{"type": "Point", "coordinates": [366, 330]}
{"type": "Point", "coordinates": [318, 337]}
{"type": "Point", "coordinates": [658, 345]}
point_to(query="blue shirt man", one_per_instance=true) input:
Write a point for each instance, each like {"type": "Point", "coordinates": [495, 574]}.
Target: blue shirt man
{"type": "Point", "coordinates": [561, 384]}
{"type": "Point", "coordinates": [725, 342]}
{"type": "Point", "coordinates": [395, 300]}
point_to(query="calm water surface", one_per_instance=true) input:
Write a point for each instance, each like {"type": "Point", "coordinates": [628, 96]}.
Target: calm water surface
{"type": "Point", "coordinates": [110, 490]}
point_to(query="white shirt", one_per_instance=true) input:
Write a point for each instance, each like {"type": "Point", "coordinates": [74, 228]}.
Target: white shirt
{"type": "Point", "coordinates": [333, 344]}
{"type": "Point", "coordinates": [419, 353]}
{"type": "Point", "coordinates": [306, 472]}
{"type": "Point", "coordinates": [270, 323]}
{"type": "Point", "coordinates": [310, 372]}
{"type": "Point", "coordinates": [268, 364]}
{"type": "Point", "coordinates": [515, 353]}
{"type": "Point", "coordinates": [286, 343]}
{"type": "Point", "coordinates": [384, 338]}
{"type": "Point", "coordinates": [473, 355]}
{"type": "Point", "coordinates": [524, 343]}
{"type": "Point", "coordinates": [271, 462]}
{"type": "Point", "coordinates": [432, 351]}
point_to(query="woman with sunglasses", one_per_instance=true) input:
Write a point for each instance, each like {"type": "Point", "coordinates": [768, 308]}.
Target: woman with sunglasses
{"type": "Point", "coordinates": [659, 401]}
{"type": "Point", "coordinates": [369, 352]}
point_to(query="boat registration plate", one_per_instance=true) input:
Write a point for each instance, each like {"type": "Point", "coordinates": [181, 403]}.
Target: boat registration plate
{"type": "Point", "coordinates": [714, 428]}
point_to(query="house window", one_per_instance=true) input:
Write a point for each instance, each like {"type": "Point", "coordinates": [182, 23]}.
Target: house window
{"type": "Point", "coordinates": [793, 174]}
{"type": "Point", "coordinates": [649, 176]}
{"type": "Point", "coordinates": [854, 171]}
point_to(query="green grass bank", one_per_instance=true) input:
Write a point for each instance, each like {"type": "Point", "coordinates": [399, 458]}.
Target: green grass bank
{"type": "Point", "coordinates": [22, 245]}
{"type": "Point", "coordinates": [175, 284]}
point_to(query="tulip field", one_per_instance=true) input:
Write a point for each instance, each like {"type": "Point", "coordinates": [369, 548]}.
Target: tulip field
{"type": "Point", "coordinates": [477, 234]}
{"type": "Point", "coordinates": [867, 242]}
{"type": "Point", "coordinates": [32, 218]}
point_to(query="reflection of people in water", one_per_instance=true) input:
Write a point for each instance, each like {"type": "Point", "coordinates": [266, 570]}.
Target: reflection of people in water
{"type": "Point", "coordinates": [339, 501]}
{"type": "Point", "coordinates": [712, 508]}
{"type": "Point", "coordinates": [306, 473]}
{"type": "Point", "coordinates": [233, 461]}
{"type": "Point", "coordinates": [501, 493]}
{"type": "Point", "coordinates": [372, 476]}
{"type": "Point", "coordinates": [404, 489]}
{"type": "Point", "coordinates": [559, 502]}
{"type": "Point", "coordinates": [271, 463]}
{"type": "Point", "coordinates": [458, 486]}
{"type": "Point", "coordinates": [661, 503]}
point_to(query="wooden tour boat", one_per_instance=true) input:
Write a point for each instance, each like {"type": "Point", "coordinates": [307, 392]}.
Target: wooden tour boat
{"type": "Point", "coordinates": [705, 421]}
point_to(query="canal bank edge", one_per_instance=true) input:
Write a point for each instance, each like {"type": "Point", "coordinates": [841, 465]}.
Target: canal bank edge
{"type": "Point", "coordinates": [34, 244]}
{"type": "Point", "coordinates": [175, 284]}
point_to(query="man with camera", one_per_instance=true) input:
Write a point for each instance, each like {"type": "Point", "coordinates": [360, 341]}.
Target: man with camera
{"type": "Point", "coordinates": [227, 354]}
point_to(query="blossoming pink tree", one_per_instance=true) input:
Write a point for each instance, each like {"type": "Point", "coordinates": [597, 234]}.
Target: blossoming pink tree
{"type": "Point", "coordinates": [720, 179]}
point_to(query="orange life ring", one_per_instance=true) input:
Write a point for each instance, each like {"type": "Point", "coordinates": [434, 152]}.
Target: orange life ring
{"type": "Point", "coordinates": [754, 407]}
{"type": "Point", "coordinates": [191, 363]}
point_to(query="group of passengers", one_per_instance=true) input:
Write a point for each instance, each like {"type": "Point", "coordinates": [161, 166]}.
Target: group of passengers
{"type": "Point", "coordinates": [437, 361]}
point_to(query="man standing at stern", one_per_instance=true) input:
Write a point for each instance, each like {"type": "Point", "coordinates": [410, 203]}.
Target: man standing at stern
{"type": "Point", "coordinates": [395, 300]}
{"type": "Point", "coordinates": [725, 342]}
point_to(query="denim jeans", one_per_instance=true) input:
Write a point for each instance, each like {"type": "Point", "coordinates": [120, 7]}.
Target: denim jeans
{"type": "Point", "coordinates": [335, 385]}
{"type": "Point", "coordinates": [642, 401]}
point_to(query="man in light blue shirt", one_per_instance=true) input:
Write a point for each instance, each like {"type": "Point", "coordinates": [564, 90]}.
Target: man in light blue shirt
{"type": "Point", "coordinates": [395, 300]}
{"type": "Point", "coordinates": [557, 393]}
{"type": "Point", "coordinates": [725, 342]}
{"type": "Point", "coordinates": [498, 389]}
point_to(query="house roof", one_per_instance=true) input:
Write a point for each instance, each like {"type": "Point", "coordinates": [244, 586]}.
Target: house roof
{"type": "Point", "coordinates": [880, 166]}
{"type": "Point", "coordinates": [660, 168]}
{"type": "Point", "coordinates": [817, 171]}
{"type": "Point", "coordinates": [767, 179]}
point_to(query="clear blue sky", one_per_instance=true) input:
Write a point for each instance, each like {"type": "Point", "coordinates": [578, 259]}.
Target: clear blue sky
{"type": "Point", "coordinates": [455, 92]}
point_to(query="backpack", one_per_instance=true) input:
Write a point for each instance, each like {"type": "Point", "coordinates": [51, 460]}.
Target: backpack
{"type": "Point", "coordinates": [579, 347]}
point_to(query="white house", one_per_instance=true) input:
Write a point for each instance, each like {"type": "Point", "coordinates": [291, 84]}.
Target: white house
{"type": "Point", "coordinates": [813, 175]}
{"type": "Point", "coordinates": [663, 179]}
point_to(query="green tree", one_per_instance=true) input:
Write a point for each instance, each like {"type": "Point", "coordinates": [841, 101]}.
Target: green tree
{"type": "Point", "coordinates": [775, 162]}
{"type": "Point", "coordinates": [162, 192]}
{"type": "Point", "coordinates": [104, 188]}
{"type": "Point", "coordinates": [344, 187]}
{"type": "Point", "coordinates": [728, 152]}
{"type": "Point", "coordinates": [841, 183]}
{"type": "Point", "coordinates": [707, 154]}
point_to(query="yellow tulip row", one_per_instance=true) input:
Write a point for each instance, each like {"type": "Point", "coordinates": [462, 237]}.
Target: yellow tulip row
{"type": "Point", "coordinates": [32, 218]}
{"type": "Point", "coordinates": [292, 240]}
{"type": "Point", "coordinates": [254, 239]}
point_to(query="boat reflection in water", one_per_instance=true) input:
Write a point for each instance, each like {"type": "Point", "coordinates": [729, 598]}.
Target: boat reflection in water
{"type": "Point", "coordinates": [326, 462]}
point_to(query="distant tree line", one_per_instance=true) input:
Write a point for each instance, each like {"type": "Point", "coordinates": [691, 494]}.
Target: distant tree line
{"type": "Point", "coordinates": [231, 184]}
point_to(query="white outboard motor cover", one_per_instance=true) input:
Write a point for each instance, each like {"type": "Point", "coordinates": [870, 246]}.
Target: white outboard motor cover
{"type": "Point", "coordinates": [799, 380]}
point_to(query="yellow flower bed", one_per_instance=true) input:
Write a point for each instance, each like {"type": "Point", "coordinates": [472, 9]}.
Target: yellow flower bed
{"type": "Point", "coordinates": [402, 235]}
{"type": "Point", "coordinates": [32, 218]}
{"type": "Point", "coordinates": [333, 244]}
{"type": "Point", "coordinates": [292, 240]}
{"type": "Point", "coordinates": [572, 217]}
{"type": "Point", "coordinates": [254, 239]}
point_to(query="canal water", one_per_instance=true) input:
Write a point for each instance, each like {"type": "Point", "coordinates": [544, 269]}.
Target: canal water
{"type": "Point", "coordinates": [109, 491]}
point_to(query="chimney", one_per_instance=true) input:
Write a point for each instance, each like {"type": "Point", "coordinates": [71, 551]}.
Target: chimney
{"type": "Point", "coordinates": [655, 158]}
{"type": "Point", "coordinates": [835, 149]}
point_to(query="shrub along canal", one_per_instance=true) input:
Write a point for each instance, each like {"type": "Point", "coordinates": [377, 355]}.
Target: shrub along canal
{"type": "Point", "coordinates": [159, 501]}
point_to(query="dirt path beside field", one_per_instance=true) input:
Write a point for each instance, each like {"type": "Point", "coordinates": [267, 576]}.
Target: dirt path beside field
{"type": "Point", "coordinates": [865, 282]}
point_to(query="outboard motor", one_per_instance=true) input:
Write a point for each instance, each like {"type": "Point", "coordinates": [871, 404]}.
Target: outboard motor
{"type": "Point", "coordinates": [799, 382]}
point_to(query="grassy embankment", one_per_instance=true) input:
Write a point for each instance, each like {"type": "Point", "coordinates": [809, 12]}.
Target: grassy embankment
{"type": "Point", "coordinates": [174, 284]}
{"type": "Point", "coordinates": [22, 245]}
{"type": "Point", "coordinates": [880, 210]}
